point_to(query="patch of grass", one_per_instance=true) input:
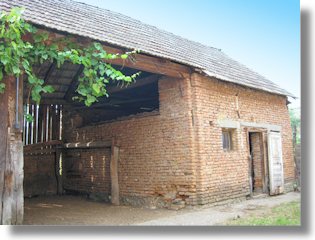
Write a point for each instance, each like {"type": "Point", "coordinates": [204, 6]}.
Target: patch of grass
{"type": "Point", "coordinates": [286, 214]}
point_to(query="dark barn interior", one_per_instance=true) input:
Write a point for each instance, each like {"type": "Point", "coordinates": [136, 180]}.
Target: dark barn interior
{"type": "Point", "coordinates": [51, 165]}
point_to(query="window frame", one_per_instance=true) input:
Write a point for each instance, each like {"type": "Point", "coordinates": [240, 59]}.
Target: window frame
{"type": "Point", "coordinates": [227, 133]}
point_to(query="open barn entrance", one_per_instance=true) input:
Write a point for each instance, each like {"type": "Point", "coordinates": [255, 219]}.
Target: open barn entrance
{"type": "Point", "coordinates": [53, 165]}
{"type": "Point", "coordinates": [258, 163]}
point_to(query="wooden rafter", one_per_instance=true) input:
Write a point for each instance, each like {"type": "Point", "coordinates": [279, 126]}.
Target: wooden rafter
{"type": "Point", "coordinates": [73, 84]}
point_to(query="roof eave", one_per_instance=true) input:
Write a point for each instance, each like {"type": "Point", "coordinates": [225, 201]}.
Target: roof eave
{"type": "Point", "coordinates": [222, 78]}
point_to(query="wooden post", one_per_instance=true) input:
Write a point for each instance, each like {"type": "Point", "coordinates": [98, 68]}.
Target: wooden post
{"type": "Point", "coordinates": [11, 153]}
{"type": "Point", "coordinates": [40, 124]}
{"type": "Point", "coordinates": [114, 173]}
{"type": "Point", "coordinates": [57, 170]}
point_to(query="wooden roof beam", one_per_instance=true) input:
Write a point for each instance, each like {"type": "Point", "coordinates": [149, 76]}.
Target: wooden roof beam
{"type": "Point", "coordinates": [138, 83]}
{"type": "Point", "coordinates": [151, 64]}
{"type": "Point", "coordinates": [73, 84]}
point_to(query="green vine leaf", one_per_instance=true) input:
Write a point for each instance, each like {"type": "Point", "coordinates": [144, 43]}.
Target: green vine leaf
{"type": "Point", "coordinates": [29, 117]}
{"type": "Point", "coordinates": [22, 46]}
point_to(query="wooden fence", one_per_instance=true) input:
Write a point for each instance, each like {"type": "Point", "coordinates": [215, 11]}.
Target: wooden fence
{"type": "Point", "coordinates": [46, 125]}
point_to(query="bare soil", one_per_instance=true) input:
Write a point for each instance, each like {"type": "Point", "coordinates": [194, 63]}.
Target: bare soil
{"type": "Point", "coordinates": [77, 210]}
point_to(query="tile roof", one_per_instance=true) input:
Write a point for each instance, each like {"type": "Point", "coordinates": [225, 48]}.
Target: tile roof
{"type": "Point", "coordinates": [117, 29]}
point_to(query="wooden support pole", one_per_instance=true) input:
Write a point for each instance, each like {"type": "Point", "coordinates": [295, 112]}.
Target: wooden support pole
{"type": "Point", "coordinates": [57, 171]}
{"type": "Point", "coordinates": [114, 174]}
{"type": "Point", "coordinates": [29, 124]}
{"type": "Point", "coordinates": [49, 126]}
{"type": "Point", "coordinates": [4, 118]}
{"type": "Point", "coordinates": [45, 139]}
{"type": "Point", "coordinates": [55, 123]}
{"type": "Point", "coordinates": [58, 118]}
{"type": "Point", "coordinates": [11, 153]}
{"type": "Point", "coordinates": [40, 124]}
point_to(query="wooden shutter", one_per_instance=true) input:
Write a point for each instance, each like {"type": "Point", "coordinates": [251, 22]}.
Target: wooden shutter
{"type": "Point", "coordinates": [275, 163]}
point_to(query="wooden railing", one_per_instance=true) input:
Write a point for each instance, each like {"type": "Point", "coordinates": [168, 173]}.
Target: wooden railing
{"type": "Point", "coordinates": [42, 148]}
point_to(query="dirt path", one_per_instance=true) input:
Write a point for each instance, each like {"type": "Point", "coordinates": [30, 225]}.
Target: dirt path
{"type": "Point", "coordinates": [70, 210]}
{"type": "Point", "coordinates": [219, 215]}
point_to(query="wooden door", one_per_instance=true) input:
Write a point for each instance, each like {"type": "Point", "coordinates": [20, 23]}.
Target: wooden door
{"type": "Point", "coordinates": [275, 163]}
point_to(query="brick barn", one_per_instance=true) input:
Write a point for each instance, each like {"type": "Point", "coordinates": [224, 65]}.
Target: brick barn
{"type": "Point", "coordinates": [197, 127]}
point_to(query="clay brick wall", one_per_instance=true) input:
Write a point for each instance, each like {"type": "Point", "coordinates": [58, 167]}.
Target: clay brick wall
{"type": "Point", "coordinates": [176, 153]}
{"type": "Point", "coordinates": [87, 171]}
{"type": "Point", "coordinates": [39, 175]}
{"type": "Point", "coordinates": [224, 175]}
{"type": "Point", "coordinates": [155, 158]}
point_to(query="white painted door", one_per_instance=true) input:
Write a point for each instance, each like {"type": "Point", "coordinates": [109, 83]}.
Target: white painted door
{"type": "Point", "coordinates": [275, 163]}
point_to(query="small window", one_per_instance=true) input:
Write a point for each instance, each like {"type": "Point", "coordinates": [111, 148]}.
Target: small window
{"type": "Point", "coordinates": [226, 140]}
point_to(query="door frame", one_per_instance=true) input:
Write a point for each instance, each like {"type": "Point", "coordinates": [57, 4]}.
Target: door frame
{"type": "Point", "coordinates": [263, 133]}
{"type": "Point", "coordinates": [267, 178]}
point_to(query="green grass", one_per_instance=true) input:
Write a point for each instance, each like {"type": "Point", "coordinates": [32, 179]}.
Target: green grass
{"type": "Point", "coordinates": [286, 214]}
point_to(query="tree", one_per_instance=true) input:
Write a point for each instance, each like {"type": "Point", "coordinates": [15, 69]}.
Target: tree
{"type": "Point", "coordinates": [295, 120]}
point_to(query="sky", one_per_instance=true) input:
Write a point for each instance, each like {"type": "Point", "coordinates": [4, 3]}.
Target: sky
{"type": "Point", "coordinates": [264, 35]}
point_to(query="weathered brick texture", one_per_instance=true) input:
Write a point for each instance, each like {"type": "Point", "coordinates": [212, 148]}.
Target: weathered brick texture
{"type": "Point", "coordinates": [176, 153]}
{"type": "Point", "coordinates": [225, 175]}
{"type": "Point", "coordinates": [87, 171]}
{"type": "Point", "coordinates": [155, 158]}
{"type": "Point", "coordinates": [39, 175]}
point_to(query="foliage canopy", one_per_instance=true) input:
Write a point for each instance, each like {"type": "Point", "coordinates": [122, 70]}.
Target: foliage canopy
{"type": "Point", "coordinates": [295, 120]}
{"type": "Point", "coordinates": [22, 46]}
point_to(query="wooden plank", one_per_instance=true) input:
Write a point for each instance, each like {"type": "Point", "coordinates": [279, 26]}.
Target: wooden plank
{"type": "Point", "coordinates": [35, 123]}
{"type": "Point", "coordinates": [92, 144]}
{"type": "Point", "coordinates": [18, 162]}
{"type": "Point", "coordinates": [16, 153]}
{"type": "Point", "coordinates": [44, 130]}
{"type": "Point", "coordinates": [58, 124]}
{"type": "Point", "coordinates": [40, 124]}
{"type": "Point", "coordinates": [54, 100]}
{"type": "Point", "coordinates": [276, 175]}
{"type": "Point", "coordinates": [57, 172]}
{"type": "Point", "coordinates": [45, 151]}
{"type": "Point", "coordinates": [48, 143]}
{"type": "Point", "coordinates": [54, 130]}
{"type": "Point", "coordinates": [8, 200]}
{"type": "Point", "coordinates": [114, 174]}
{"type": "Point", "coordinates": [11, 182]}
{"type": "Point", "coordinates": [138, 83]}
{"type": "Point", "coordinates": [116, 102]}
{"type": "Point", "coordinates": [145, 62]}
{"type": "Point", "coordinates": [73, 84]}
{"type": "Point", "coordinates": [151, 64]}
{"type": "Point", "coordinates": [33, 127]}
{"type": "Point", "coordinates": [3, 143]}
{"type": "Point", "coordinates": [265, 162]}
{"type": "Point", "coordinates": [29, 126]}
{"type": "Point", "coordinates": [49, 127]}
{"type": "Point", "coordinates": [52, 67]}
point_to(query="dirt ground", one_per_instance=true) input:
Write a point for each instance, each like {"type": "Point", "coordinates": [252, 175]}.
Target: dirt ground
{"type": "Point", "coordinates": [75, 210]}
